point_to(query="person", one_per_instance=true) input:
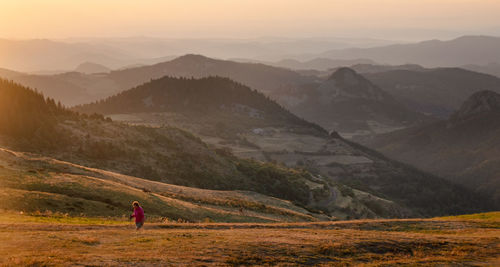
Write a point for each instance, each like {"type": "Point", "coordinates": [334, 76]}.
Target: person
{"type": "Point", "coordinates": [138, 215]}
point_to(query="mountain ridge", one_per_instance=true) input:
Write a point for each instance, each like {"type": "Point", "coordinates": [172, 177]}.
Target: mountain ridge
{"type": "Point", "coordinates": [431, 53]}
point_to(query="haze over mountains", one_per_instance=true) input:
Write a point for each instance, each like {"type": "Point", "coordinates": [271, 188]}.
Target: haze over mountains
{"type": "Point", "coordinates": [60, 55]}
{"type": "Point", "coordinates": [115, 53]}
{"type": "Point", "coordinates": [465, 50]}
{"type": "Point", "coordinates": [319, 64]}
{"type": "Point", "coordinates": [91, 68]}
{"type": "Point", "coordinates": [492, 68]}
{"type": "Point", "coordinates": [87, 88]}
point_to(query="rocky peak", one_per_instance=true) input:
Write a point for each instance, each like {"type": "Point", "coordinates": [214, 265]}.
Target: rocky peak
{"type": "Point", "coordinates": [348, 83]}
{"type": "Point", "coordinates": [91, 67]}
{"type": "Point", "coordinates": [345, 74]}
{"type": "Point", "coordinates": [480, 102]}
{"type": "Point", "coordinates": [191, 58]}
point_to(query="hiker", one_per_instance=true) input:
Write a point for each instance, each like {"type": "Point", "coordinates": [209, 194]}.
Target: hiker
{"type": "Point", "coordinates": [138, 215]}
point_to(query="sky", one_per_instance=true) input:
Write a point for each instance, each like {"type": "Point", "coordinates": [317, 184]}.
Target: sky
{"type": "Point", "coordinates": [384, 19]}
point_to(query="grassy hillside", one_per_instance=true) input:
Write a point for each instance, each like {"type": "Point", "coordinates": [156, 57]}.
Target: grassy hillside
{"type": "Point", "coordinates": [41, 185]}
{"type": "Point", "coordinates": [44, 240]}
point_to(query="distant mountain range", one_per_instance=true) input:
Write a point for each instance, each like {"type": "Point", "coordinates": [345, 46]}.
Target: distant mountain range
{"type": "Point", "coordinates": [59, 55]}
{"type": "Point", "coordinates": [78, 88]}
{"type": "Point", "coordinates": [320, 64]}
{"type": "Point", "coordinates": [465, 50]}
{"type": "Point", "coordinates": [465, 148]}
{"type": "Point", "coordinates": [46, 55]}
{"type": "Point", "coordinates": [35, 55]}
{"type": "Point", "coordinates": [374, 68]}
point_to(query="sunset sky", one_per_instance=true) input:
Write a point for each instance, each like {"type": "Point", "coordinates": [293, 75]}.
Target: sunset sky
{"type": "Point", "coordinates": [389, 19]}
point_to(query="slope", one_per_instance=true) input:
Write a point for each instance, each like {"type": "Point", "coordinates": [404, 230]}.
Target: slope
{"type": "Point", "coordinates": [464, 148]}
{"type": "Point", "coordinates": [33, 184]}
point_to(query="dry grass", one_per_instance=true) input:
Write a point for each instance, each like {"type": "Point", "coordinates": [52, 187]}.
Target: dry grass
{"type": "Point", "coordinates": [32, 183]}
{"type": "Point", "coordinates": [451, 241]}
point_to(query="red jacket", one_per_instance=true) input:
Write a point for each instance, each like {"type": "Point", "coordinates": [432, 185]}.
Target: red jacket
{"type": "Point", "coordinates": [138, 214]}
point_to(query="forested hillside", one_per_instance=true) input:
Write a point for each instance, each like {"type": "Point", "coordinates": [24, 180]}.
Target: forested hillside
{"type": "Point", "coordinates": [164, 154]}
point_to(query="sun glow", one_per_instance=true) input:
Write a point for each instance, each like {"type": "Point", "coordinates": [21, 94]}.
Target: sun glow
{"type": "Point", "coordinates": [243, 18]}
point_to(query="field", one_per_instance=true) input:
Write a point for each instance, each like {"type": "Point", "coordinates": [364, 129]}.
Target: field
{"type": "Point", "coordinates": [43, 240]}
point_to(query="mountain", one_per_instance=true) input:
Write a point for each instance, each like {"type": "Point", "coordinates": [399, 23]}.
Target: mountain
{"type": "Point", "coordinates": [490, 68]}
{"type": "Point", "coordinates": [373, 68]}
{"type": "Point", "coordinates": [90, 68]}
{"type": "Point", "coordinates": [464, 149]}
{"type": "Point", "coordinates": [70, 88]}
{"type": "Point", "coordinates": [483, 102]}
{"type": "Point", "coordinates": [438, 92]}
{"type": "Point", "coordinates": [434, 53]}
{"type": "Point", "coordinates": [42, 54]}
{"type": "Point", "coordinates": [203, 99]}
{"type": "Point", "coordinates": [78, 88]}
{"type": "Point", "coordinates": [319, 63]}
{"type": "Point", "coordinates": [349, 103]}
{"type": "Point", "coordinates": [34, 55]}
{"type": "Point", "coordinates": [257, 76]}
{"type": "Point", "coordinates": [238, 121]}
